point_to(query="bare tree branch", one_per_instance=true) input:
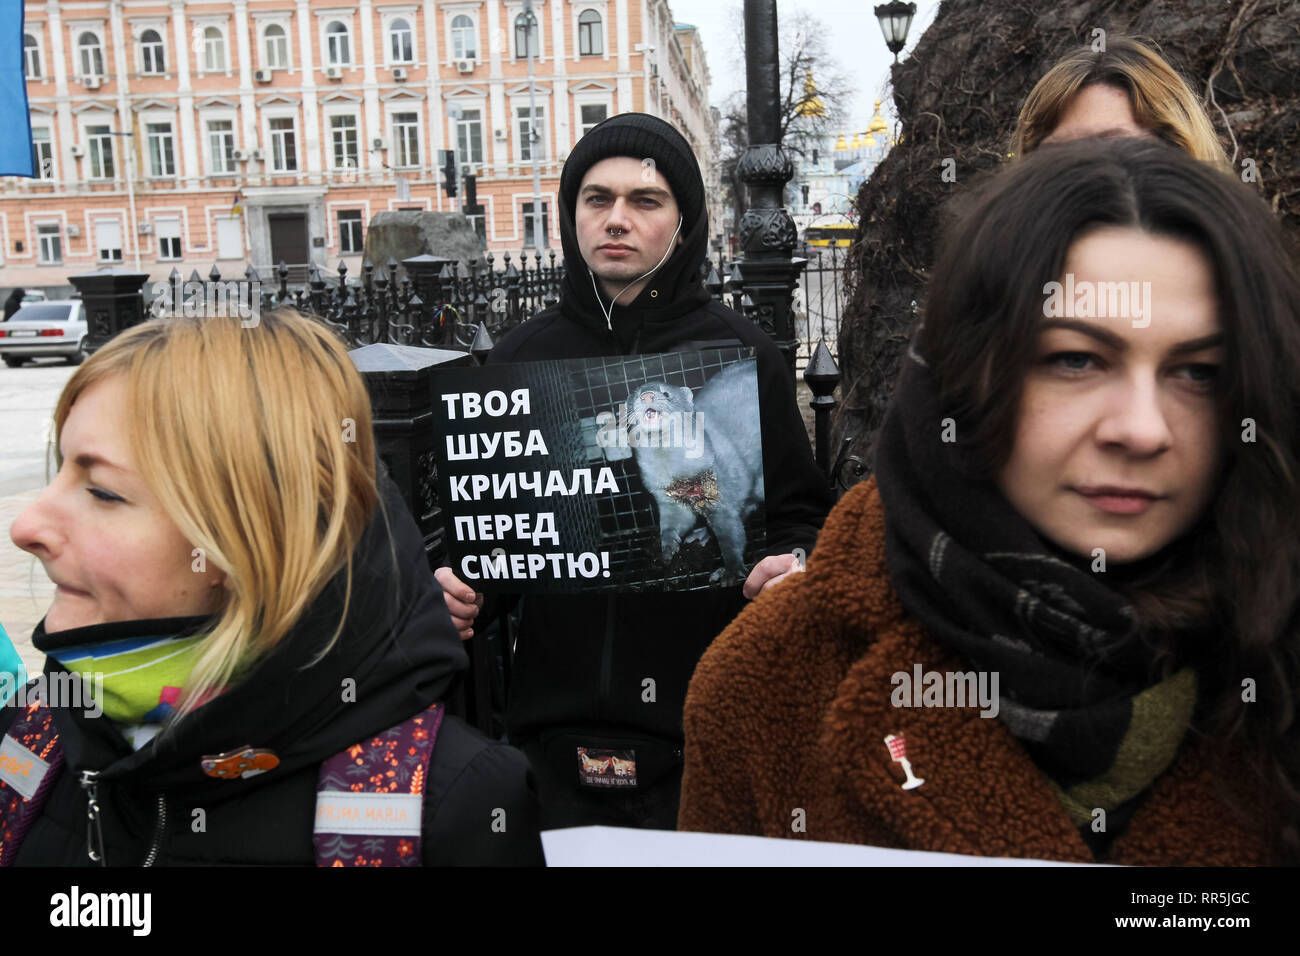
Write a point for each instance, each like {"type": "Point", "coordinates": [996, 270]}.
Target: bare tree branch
{"type": "Point", "coordinates": [803, 49]}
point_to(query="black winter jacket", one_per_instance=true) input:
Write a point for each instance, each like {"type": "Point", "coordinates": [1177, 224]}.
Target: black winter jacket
{"type": "Point", "coordinates": [582, 659]}
{"type": "Point", "coordinates": [400, 648]}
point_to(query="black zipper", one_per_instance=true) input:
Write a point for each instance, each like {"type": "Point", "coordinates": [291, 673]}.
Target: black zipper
{"type": "Point", "coordinates": [159, 828]}
{"type": "Point", "coordinates": [94, 828]}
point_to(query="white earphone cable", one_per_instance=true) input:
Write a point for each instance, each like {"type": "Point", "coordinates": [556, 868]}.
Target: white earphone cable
{"type": "Point", "coordinates": [609, 320]}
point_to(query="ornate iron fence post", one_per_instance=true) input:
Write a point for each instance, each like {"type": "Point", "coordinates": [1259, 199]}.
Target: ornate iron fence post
{"type": "Point", "coordinates": [113, 301]}
{"type": "Point", "coordinates": [822, 375]}
{"type": "Point", "coordinates": [767, 233]}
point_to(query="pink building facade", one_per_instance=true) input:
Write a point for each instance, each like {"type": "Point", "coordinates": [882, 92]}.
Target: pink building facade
{"type": "Point", "coordinates": [183, 135]}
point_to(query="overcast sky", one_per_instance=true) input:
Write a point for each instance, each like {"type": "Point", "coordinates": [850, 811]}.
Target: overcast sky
{"type": "Point", "coordinates": [856, 43]}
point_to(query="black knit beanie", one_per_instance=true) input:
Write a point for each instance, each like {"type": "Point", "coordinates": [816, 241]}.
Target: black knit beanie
{"type": "Point", "coordinates": [640, 136]}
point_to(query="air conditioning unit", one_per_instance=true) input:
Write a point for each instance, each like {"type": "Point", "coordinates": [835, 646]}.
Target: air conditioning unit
{"type": "Point", "coordinates": [399, 73]}
{"type": "Point", "coordinates": [262, 76]}
{"type": "Point", "coordinates": [78, 149]}
{"type": "Point", "coordinates": [145, 228]}
{"type": "Point", "coordinates": [378, 143]}
{"type": "Point", "coordinates": [499, 135]}
{"type": "Point", "coordinates": [241, 155]}
{"type": "Point", "coordinates": [257, 154]}
{"type": "Point", "coordinates": [465, 66]}
{"type": "Point", "coordinates": [334, 73]}
{"type": "Point", "coordinates": [74, 230]}
{"type": "Point", "coordinates": [92, 82]}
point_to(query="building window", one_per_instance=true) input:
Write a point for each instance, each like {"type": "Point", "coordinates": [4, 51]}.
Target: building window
{"type": "Point", "coordinates": [42, 152]}
{"type": "Point", "coordinates": [479, 222]}
{"type": "Point", "coordinates": [221, 146]}
{"type": "Point", "coordinates": [151, 53]}
{"type": "Point", "coordinates": [350, 235]}
{"type": "Point", "coordinates": [464, 42]}
{"type": "Point", "coordinates": [101, 152]}
{"type": "Point", "coordinates": [230, 238]}
{"type": "Point", "coordinates": [31, 57]}
{"type": "Point", "coordinates": [162, 157]}
{"type": "Point", "coordinates": [469, 137]}
{"type": "Point", "coordinates": [530, 224]}
{"type": "Point", "coordinates": [525, 36]}
{"type": "Point", "coordinates": [400, 43]}
{"type": "Point", "coordinates": [343, 136]}
{"type": "Point", "coordinates": [592, 114]}
{"type": "Point", "coordinates": [277, 47]}
{"type": "Point", "coordinates": [284, 150]}
{"type": "Point", "coordinates": [406, 139]}
{"type": "Point", "coordinates": [108, 240]}
{"type": "Point", "coordinates": [214, 50]}
{"type": "Point", "coordinates": [590, 40]}
{"type": "Point", "coordinates": [168, 231]}
{"type": "Point", "coordinates": [529, 137]}
{"type": "Point", "coordinates": [336, 37]}
{"type": "Point", "coordinates": [48, 244]}
{"type": "Point", "coordinates": [91, 54]}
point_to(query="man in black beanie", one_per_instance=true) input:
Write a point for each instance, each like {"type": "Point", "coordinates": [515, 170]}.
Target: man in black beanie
{"type": "Point", "coordinates": [634, 227]}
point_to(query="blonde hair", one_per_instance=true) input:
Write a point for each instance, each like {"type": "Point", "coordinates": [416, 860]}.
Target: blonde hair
{"type": "Point", "coordinates": [1162, 102]}
{"type": "Point", "coordinates": [258, 443]}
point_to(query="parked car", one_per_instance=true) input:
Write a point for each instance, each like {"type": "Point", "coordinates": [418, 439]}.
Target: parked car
{"type": "Point", "coordinates": [33, 295]}
{"type": "Point", "coordinates": [53, 327]}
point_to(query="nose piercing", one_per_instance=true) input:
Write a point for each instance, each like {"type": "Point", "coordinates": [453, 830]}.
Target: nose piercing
{"type": "Point", "coordinates": [615, 231]}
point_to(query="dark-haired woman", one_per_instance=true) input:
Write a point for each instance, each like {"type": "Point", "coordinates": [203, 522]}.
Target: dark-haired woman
{"type": "Point", "coordinates": [1060, 621]}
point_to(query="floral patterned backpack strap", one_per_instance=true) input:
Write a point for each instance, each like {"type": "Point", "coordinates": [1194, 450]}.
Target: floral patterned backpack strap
{"type": "Point", "coordinates": [31, 760]}
{"type": "Point", "coordinates": [370, 797]}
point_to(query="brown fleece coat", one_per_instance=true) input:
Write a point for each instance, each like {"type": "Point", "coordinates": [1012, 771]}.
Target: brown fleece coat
{"type": "Point", "coordinates": [790, 706]}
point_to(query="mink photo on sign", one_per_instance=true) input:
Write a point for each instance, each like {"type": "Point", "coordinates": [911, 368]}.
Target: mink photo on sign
{"type": "Point", "coordinates": [633, 473]}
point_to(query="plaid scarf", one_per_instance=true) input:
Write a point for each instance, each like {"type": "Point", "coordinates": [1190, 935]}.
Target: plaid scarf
{"type": "Point", "coordinates": [1088, 701]}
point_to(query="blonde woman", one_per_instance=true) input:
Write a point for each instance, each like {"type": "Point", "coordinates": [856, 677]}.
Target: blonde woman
{"type": "Point", "coordinates": [250, 603]}
{"type": "Point", "coordinates": [1127, 89]}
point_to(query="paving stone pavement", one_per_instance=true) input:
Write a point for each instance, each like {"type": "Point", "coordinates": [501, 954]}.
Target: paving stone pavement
{"type": "Point", "coordinates": [27, 398]}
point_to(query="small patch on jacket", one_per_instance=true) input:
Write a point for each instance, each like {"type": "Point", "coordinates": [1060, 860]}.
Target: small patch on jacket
{"type": "Point", "coordinates": [243, 762]}
{"type": "Point", "coordinates": [606, 768]}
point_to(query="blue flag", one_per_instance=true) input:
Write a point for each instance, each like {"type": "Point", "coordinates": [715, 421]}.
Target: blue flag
{"type": "Point", "coordinates": [16, 143]}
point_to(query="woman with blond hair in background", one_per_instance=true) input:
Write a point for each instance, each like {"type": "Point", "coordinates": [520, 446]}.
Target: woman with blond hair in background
{"type": "Point", "coordinates": [1125, 89]}
{"type": "Point", "coordinates": [243, 587]}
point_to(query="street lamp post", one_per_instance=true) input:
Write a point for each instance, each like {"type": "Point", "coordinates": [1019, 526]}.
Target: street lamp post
{"type": "Point", "coordinates": [895, 20]}
{"type": "Point", "coordinates": [130, 197]}
{"type": "Point", "coordinates": [767, 267]}
{"type": "Point", "coordinates": [539, 232]}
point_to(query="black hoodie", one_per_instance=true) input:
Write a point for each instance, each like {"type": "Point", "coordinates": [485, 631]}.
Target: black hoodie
{"type": "Point", "coordinates": [399, 647]}
{"type": "Point", "coordinates": [581, 659]}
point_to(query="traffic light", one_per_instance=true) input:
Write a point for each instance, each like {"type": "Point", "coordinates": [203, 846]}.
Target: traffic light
{"type": "Point", "coordinates": [449, 171]}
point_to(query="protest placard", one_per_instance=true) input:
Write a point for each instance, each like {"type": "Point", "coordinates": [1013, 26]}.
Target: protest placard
{"type": "Point", "coordinates": [630, 473]}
